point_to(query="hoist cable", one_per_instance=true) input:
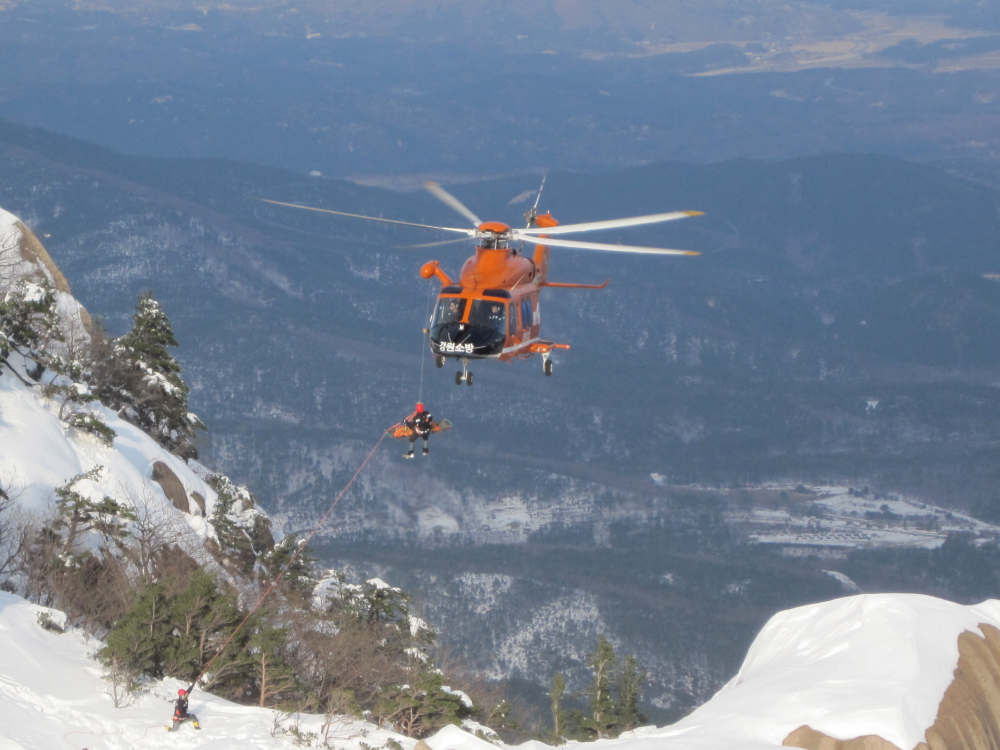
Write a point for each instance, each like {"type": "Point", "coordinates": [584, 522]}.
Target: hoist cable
{"type": "Point", "coordinates": [423, 343]}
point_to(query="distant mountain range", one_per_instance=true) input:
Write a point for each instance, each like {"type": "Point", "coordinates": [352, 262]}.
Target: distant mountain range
{"type": "Point", "coordinates": [487, 22]}
{"type": "Point", "coordinates": [483, 88]}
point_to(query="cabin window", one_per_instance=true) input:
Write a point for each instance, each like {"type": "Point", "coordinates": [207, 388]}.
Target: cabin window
{"type": "Point", "coordinates": [489, 313]}
{"type": "Point", "coordinates": [526, 320]}
{"type": "Point", "coordinates": [450, 310]}
{"type": "Point", "coordinates": [512, 329]}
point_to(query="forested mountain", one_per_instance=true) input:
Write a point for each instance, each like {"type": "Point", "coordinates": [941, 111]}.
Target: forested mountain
{"type": "Point", "coordinates": [835, 329]}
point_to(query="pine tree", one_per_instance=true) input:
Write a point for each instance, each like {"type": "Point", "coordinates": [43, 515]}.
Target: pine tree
{"type": "Point", "coordinates": [273, 676]}
{"type": "Point", "coordinates": [138, 642]}
{"type": "Point", "coordinates": [421, 705]}
{"type": "Point", "coordinates": [200, 614]}
{"type": "Point", "coordinates": [558, 715]}
{"type": "Point", "coordinates": [243, 533]}
{"type": "Point", "coordinates": [299, 575]}
{"type": "Point", "coordinates": [628, 687]}
{"type": "Point", "coordinates": [79, 514]}
{"type": "Point", "coordinates": [143, 382]}
{"type": "Point", "coordinates": [602, 663]}
{"type": "Point", "coordinates": [29, 323]}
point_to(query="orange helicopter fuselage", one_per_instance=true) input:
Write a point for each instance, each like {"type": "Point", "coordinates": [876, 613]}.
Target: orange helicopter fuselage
{"type": "Point", "coordinates": [492, 311]}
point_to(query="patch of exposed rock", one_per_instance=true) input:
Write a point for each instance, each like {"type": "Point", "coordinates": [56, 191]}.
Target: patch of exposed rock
{"type": "Point", "coordinates": [172, 486]}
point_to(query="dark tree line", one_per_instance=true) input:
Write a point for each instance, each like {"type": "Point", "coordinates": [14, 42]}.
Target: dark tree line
{"type": "Point", "coordinates": [612, 698]}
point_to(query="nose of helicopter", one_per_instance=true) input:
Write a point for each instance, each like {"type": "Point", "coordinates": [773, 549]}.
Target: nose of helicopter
{"type": "Point", "coordinates": [465, 340]}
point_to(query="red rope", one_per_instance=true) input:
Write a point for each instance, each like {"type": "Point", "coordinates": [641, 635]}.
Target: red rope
{"type": "Point", "coordinates": [302, 546]}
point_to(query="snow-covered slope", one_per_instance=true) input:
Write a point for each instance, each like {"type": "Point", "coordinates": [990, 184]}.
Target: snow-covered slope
{"type": "Point", "coordinates": [876, 664]}
{"type": "Point", "coordinates": [864, 665]}
{"type": "Point", "coordinates": [52, 697]}
{"type": "Point", "coordinates": [40, 452]}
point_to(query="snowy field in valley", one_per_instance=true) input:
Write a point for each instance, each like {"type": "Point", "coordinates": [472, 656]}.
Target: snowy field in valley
{"type": "Point", "coordinates": [836, 516]}
{"type": "Point", "coordinates": [871, 664]}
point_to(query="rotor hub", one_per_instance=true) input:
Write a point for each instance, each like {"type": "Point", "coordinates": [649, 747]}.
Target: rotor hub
{"type": "Point", "coordinates": [493, 227]}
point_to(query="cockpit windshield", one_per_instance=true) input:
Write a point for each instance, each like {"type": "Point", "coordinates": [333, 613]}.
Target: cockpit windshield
{"type": "Point", "coordinates": [489, 313]}
{"type": "Point", "coordinates": [450, 310]}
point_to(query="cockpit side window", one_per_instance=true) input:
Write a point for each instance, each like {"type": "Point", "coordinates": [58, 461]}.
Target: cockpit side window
{"type": "Point", "coordinates": [489, 313]}
{"type": "Point", "coordinates": [512, 328]}
{"type": "Point", "coordinates": [450, 310]}
{"type": "Point", "coordinates": [526, 320]}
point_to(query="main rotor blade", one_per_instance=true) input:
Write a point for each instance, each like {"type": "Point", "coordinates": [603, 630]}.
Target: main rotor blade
{"type": "Point", "coordinates": [613, 223]}
{"type": "Point", "coordinates": [452, 202]}
{"type": "Point", "coordinates": [600, 246]}
{"type": "Point", "coordinates": [435, 244]}
{"type": "Point", "coordinates": [467, 232]}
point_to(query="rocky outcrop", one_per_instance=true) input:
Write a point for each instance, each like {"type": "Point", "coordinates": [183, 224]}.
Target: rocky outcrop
{"type": "Point", "coordinates": [809, 739]}
{"type": "Point", "coordinates": [32, 251]}
{"type": "Point", "coordinates": [968, 717]}
{"type": "Point", "coordinates": [22, 256]}
{"type": "Point", "coordinates": [171, 485]}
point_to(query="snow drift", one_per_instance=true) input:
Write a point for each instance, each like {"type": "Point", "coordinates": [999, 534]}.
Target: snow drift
{"type": "Point", "coordinates": [877, 664]}
{"type": "Point", "coordinates": [866, 665]}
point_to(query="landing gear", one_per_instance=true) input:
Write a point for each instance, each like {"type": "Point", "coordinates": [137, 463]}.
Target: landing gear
{"type": "Point", "coordinates": [438, 361]}
{"type": "Point", "coordinates": [546, 364]}
{"type": "Point", "coordinates": [464, 374]}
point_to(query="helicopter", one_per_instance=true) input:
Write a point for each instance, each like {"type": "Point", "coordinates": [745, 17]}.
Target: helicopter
{"type": "Point", "coordinates": [492, 310]}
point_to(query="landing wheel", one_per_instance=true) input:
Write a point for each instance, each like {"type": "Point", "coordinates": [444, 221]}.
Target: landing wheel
{"type": "Point", "coordinates": [464, 374]}
{"type": "Point", "coordinates": [439, 361]}
{"type": "Point", "coordinates": [547, 367]}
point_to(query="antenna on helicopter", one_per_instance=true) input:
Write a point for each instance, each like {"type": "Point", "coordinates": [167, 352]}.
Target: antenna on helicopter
{"type": "Point", "coordinates": [532, 213]}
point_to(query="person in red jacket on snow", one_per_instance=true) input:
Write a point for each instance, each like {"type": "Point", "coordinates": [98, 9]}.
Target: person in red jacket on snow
{"type": "Point", "coordinates": [181, 710]}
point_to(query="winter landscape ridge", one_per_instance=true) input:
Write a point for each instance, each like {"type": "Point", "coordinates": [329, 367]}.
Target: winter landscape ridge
{"type": "Point", "coordinates": [900, 672]}
{"type": "Point", "coordinates": [808, 410]}
{"type": "Point", "coordinates": [909, 670]}
{"type": "Point", "coordinates": [533, 613]}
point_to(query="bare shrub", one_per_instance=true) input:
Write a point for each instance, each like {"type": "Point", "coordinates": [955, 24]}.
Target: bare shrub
{"type": "Point", "coordinates": [124, 685]}
{"type": "Point", "coordinates": [343, 657]}
{"type": "Point", "coordinates": [15, 529]}
{"type": "Point", "coordinates": [155, 530]}
{"type": "Point", "coordinates": [340, 709]}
